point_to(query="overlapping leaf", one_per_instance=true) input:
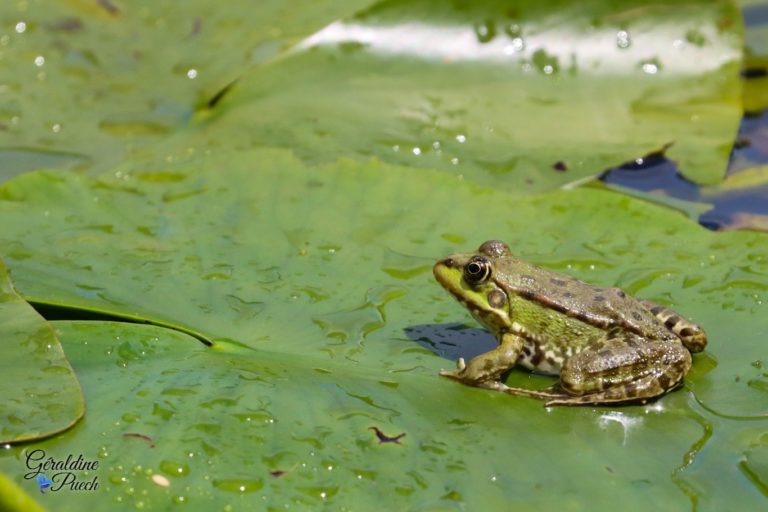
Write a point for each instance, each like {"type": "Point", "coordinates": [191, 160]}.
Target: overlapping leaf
{"type": "Point", "coordinates": [41, 395]}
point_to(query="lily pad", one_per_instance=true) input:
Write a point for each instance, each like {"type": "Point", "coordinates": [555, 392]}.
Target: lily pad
{"type": "Point", "coordinates": [312, 281]}
{"type": "Point", "coordinates": [41, 395]}
{"type": "Point", "coordinates": [523, 98]}
{"type": "Point", "coordinates": [100, 81]}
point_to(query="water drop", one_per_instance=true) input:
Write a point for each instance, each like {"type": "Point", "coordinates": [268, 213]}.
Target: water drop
{"type": "Point", "coordinates": [21, 27]}
{"type": "Point", "coordinates": [622, 39]}
{"type": "Point", "coordinates": [238, 485]}
{"type": "Point", "coordinates": [461, 138]}
{"type": "Point", "coordinates": [650, 68]}
{"type": "Point", "coordinates": [39, 61]}
{"type": "Point", "coordinates": [514, 30]}
{"type": "Point", "coordinates": [517, 45]}
{"type": "Point", "coordinates": [485, 31]}
{"type": "Point", "coordinates": [192, 74]}
{"type": "Point", "coordinates": [417, 151]}
{"type": "Point", "coordinates": [174, 468]}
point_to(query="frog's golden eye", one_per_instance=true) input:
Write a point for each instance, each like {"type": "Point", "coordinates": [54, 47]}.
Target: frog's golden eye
{"type": "Point", "coordinates": [477, 270]}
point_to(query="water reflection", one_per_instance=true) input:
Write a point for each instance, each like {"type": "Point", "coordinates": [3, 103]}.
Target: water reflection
{"type": "Point", "coordinates": [605, 49]}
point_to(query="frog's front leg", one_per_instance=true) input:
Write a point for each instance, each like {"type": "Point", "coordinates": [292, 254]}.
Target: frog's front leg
{"type": "Point", "coordinates": [623, 369]}
{"type": "Point", "coordinates": [485, 370]}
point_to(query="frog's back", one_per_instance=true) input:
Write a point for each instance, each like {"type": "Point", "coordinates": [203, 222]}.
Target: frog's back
{"type": "Point", "coordinates": [604, 308]}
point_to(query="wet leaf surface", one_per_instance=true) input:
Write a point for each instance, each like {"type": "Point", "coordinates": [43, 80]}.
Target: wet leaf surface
{"type": "Point", "coordinates": [475, 90]}
{"type": "Point", "coordinates": [41, 395]}
{"type": "Point", "coordinates": [294, 272]}
{"type": "Point", "coordinates": [292, 217]}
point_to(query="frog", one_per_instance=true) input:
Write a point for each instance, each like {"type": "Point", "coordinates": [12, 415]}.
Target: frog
{"type": "Point", "coordinates": [606, 346]}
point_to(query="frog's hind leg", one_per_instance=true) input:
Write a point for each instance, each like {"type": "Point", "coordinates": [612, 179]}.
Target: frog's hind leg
{"type": "Point", "coordinates": [620, 370]}
{"type": "Point", "coordinates": [692, 335]}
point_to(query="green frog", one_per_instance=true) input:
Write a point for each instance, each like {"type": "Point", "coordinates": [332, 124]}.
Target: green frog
{"type": "Point", "coordinates": [607, 346]}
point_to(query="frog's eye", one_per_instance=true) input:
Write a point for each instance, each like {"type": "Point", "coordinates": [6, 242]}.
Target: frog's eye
{"type": "Point", "coordinates": [477, 270]}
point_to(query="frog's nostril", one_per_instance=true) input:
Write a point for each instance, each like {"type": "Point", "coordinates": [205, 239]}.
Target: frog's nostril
{"type": "Point", "coordinates": [448, 262]}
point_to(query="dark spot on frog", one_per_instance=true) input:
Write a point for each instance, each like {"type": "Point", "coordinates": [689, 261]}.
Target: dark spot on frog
{"type": "Point", "coordinates": [637, 316]}
{"type": "Point", "coordinates": [664, 380]}
{"type": "Point", "coordinates": [557, 282]}
{"type": "Point", "coordinates": [687, 331]}
{"type": "Point", "coordinates": [671, 322]}
{"type": "Point", "coordinates": [657, 309]}
{"type": "Point", "coordinates": [620, 293]}
{"type": "Point", "coordinates": [384, 438]}
{"type": "Point", "coordinates": [568, 295]}
{"type": "Point", "coordinates": [560, 166]}
{"type": "Point", "coordinates": [538, 356]}
{"type": "Point", "coordinates": [497, 298]}
{"type": "Point", "coordinates": [599, 298]}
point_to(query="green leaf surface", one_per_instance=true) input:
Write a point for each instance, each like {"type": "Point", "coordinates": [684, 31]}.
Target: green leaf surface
{"type": "Point", "coordinates": [102, 80]}
{"type": "Point", "coordinates": [232, 427]}
{"type": "Point", "coordinates": [315, 284]}
{"type": "Point", "coordinates": [409, 130]}
{"type": "Point", "coordinates": [500, 94]}
{"type": "Point", "coordinates": [41, 395]}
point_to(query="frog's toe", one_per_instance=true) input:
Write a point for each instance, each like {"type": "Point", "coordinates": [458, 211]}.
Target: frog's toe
{"type": "Point", "coordinates": [453, 374]}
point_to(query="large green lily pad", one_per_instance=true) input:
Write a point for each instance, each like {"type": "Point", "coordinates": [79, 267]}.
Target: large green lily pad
{"type": "Point", "coordinates": [314, 284]}
{"type": "Point", "coordinates": [499, 94]}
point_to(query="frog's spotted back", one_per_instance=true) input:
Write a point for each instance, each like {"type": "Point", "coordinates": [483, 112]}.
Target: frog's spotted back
{"type": "Point", "coordinates": [692, 336]}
